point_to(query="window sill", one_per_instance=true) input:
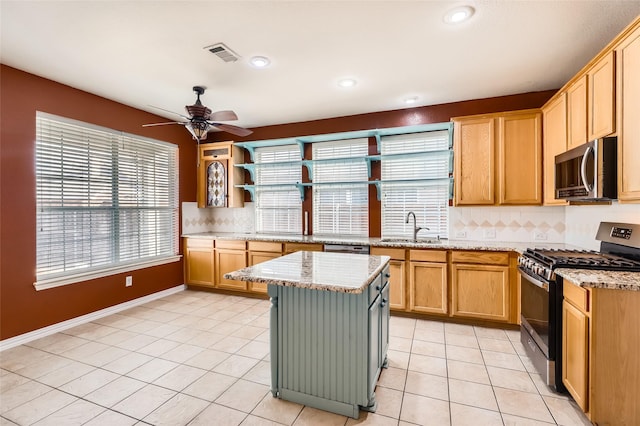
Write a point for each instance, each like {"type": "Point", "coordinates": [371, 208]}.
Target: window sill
{"type": "Point", "coordinates": [105, 272]}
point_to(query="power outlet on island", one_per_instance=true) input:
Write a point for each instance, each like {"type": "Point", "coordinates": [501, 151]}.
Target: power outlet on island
{"type": "Point", "coordinates": [460, 235]}
{"type": "Point", "coordinates": [128, 281]}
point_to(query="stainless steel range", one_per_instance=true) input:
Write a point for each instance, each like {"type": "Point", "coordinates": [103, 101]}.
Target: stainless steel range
{"type": "Point", "coordinates": [541, 291]}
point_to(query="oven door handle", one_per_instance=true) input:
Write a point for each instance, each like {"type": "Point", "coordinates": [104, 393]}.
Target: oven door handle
{"type": "Point", "coordinates": [543, 285]}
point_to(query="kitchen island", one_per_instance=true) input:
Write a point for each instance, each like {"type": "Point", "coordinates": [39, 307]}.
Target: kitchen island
{"type": "Point", "coordinates": [329, 327]}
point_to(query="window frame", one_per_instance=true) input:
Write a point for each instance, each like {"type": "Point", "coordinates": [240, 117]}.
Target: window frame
{"type": "Point", "coordinates": [128, 151]}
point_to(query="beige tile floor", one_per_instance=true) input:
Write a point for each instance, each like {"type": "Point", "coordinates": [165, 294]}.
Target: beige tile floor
{"type": "Point", "coordinates": [199, 358]}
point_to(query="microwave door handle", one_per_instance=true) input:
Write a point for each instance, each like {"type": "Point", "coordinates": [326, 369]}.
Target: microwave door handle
{"type": "Point", "coordinates": [583, 170]}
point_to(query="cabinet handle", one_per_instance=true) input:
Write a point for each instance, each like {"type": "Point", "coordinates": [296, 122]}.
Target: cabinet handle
{"type": "Point", "coordinates": [378, 288]}
{"type": "Point", "coordinates": [384, 301]}
{"type": "Point", "coordinates": [387, 275]}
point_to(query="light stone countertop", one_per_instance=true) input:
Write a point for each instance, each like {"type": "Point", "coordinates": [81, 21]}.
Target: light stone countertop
{"type": "Point", "coordinates": [377, 242]}
{"type": "Point", "coordinates": [339, 272]}
{"type": "Point", "coordinates": [613, 280]}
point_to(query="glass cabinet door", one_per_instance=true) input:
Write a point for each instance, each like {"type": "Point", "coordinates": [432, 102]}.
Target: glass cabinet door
{"type": "Point", "coordinates": [217, 184]}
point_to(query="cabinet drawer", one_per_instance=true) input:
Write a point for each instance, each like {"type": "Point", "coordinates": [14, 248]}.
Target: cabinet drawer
{"type": "Point", "coordinates": [265, 246]}
{"type": "Point", "coordinates": [428, 256]}
{"type": "Point", "coordinates": [394, 253]}
{"type": "Point", "coordinates": [577, 295]}
{"type": "Point", "coordinates": [374, 288]}
{"type": "Point", "coordinates": [231, 244]}
{"type": "Point", "coordinates": [481, 257]}
{"type": "Point", "coordinates": [293, 247]}
{"type": "Point", "coordinates": [200, 242]}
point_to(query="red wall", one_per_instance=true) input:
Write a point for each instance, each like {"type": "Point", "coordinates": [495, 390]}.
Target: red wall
{"type": "Point", "coordinates": [22, 308]}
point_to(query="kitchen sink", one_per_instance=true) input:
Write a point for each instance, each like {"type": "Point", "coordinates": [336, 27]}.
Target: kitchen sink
{"type": "Point", "coordinates": [411, 240]}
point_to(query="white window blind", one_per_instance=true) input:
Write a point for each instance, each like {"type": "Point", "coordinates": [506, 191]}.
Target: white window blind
{"type": "Point", "coordinates": [104, 199]}
{"type": "Point", "coordinates": [416, 175]}
{"type": "Point", "coordinates": [340, 198]}
{"type": "Point", "coordinates": [278, 207]}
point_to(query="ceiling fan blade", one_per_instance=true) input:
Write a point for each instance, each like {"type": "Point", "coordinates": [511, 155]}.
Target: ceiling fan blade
{"type": "Point", "coordinates": [224, 116]}
{"type": "Point", "coordinates": [166, 110]}
{"type": "Point", "coordinates": [162, 124]}
{"type": "Point", "coordinates": [235, 130]}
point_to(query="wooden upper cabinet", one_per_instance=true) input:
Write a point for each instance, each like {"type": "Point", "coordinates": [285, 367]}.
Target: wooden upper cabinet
{"type": "Point", "coordinates": [498, 154]}
{"type": "Point", "coordinates": [554, 118]}
{"type": "Point", "coordinates": [474, 144]}
{"type": "Point", "coordinates": [520, 159]}
{"type": "Point", "coordinates": [217, 175]}
{"type": "Point", "coordinates": [628, 105]}
{"type": "Point", "coordinates": [601, 105]}
{"type": "Point", "coordinates": [577, 113]}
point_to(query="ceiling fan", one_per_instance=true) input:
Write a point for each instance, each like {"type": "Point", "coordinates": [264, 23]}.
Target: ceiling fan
{"type": "Point", "coordinates": [201, 119]}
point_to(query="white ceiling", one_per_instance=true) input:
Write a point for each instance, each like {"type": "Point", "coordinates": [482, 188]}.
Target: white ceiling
{"type": "Point", "coordinates": [143, 53]}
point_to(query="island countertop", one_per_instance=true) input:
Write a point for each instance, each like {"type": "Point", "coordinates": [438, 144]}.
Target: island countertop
{"type": "Point", "coordinates": [339, 272]}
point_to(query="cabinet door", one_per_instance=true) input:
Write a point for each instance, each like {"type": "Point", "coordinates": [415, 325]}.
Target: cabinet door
{"type": "Point", "coordinates": [520, 159]}
{"type": "Point", "coordinates": [199, 266]}
{"type": "Point", "coordinates": [256, 257]}
{"type": "Point", "coordinates": [480, 291]}
{"type": "Point", "coordinates": [601, 113]}
{"type": "Point", "coordinates": [577, 113]}
{"type": "Point", "coordinates": [397, 299]}
{"type": "Point", "coordinates": [374, 344]}
{"type": "Point", "coordinates": [628, 101]}
{"type": "Point", "coordinates": [575, 353]}
{"type": "Point", "coordinates": [474, 141]}
{"type": "Point", "coordinates": [428, 287]}
{"type": "Point", "coordinates": [554, 117]}
{"type": "Point", "coordinates": [384, 323]}
{"type": "Point", "coordinates": [229, 261]}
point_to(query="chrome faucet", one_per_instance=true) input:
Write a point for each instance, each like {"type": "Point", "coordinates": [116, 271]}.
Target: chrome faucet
{"type": "Point", "coordinates": [415, 228]}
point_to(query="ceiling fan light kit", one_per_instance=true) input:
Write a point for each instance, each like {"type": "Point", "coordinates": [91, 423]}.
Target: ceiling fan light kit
{"type": "Point", "coordinates": [201, 120]}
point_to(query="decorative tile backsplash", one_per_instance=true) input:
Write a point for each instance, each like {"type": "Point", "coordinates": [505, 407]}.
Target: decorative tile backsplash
{"type": "Point", "coordinates": [575, 225]}
{"type": "Point", "coordinates": [583, 221]}
{"type": "Point", "coordinates": [216, 219]}
{"type": "Point", "coordinates": [513, 224]}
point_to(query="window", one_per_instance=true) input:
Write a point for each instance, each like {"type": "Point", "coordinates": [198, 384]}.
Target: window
{"type": "Point", "coordinates": [416, 176]}
{"type": "Point", "coordinates": [340, 191]}
{"type": "Point", "coordinates": [278, 205]}
{"type": "Point", "coordinates": [105, 200]}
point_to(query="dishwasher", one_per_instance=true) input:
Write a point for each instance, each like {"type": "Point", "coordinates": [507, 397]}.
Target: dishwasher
{"type": "Point", "coordinates": [346, 248]}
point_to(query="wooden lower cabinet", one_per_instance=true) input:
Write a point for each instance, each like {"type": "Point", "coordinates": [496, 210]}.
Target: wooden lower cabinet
{"type": "Point", "coordinates": [199, 262]}
{"type": "Point", "coordinates": [230, 256]}
{"type": "Point", "coordinates": [575, 356]}
{"type": "Point", "coordinates": [398, 279]}
{"type": "Point", "coordinates": [428, 292]}
{"type": "Point", "coordinates": [261, 251]}
{"type": "Point", "coordinates": [481, 290]}
{"type": "Point", "coordinates": [601, 348]}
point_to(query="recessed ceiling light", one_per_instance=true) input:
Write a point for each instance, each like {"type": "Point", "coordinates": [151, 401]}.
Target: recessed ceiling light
{"type": "Point", "coordinates": [259, 62]}
{"type": "Point", "coordinates": [411, 100]}
{"type": "Point", "coordinates": [459, 14]}
{"type": "Point", "coordinates": [347, 82]}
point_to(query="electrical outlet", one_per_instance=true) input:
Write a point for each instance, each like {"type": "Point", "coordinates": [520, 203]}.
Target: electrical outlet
{"type": "Point", "coordinates": [128, 282]}
{"type": "Point", "coordinates": [539, 236]}
{"type": "Point", "coordinates": [461, 234]}
{"type": "Point", "coordinates": [489, 233]}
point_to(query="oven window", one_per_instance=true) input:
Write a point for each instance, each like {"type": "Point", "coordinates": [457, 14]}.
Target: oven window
{"type": "Point", "coordinates": [535, 308]}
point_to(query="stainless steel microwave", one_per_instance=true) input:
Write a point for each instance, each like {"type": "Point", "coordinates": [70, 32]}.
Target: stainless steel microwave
{"type": "Point", "coordinates": [588, 172]}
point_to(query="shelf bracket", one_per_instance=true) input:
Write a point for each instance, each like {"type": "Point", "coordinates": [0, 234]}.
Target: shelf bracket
{"type": "Point", "coordinates": [301, 189]}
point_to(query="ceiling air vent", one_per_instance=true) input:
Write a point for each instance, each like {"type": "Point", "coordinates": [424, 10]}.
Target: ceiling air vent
{"type": "Point", "coordinates": [223, 52]}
